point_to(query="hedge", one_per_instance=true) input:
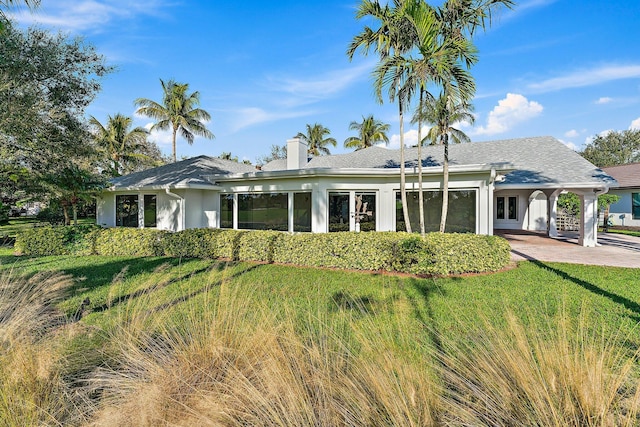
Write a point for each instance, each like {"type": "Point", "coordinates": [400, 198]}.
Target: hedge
{"type": "Point", "coordinates": [436, 254]}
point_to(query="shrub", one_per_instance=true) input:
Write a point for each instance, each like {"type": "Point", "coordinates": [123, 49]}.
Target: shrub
{"type": "Point", "coordinates": [51, 215]}
{"type": "Point", "coordinates": [42, 241]}
{"type": "Point", "coordinates": [129, 242]}
{"type": "Point", "coordinates": [192, 243]}
{"type": "Point", "coordinates": [436, 254]}
{"type": "Point", "coordinates": [4, 214]}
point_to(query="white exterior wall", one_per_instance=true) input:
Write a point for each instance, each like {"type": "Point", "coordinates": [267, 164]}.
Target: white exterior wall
{"type": "Point", "coordinates": [621, 212]}
{"type": "Point", "coordinates": [106, 210]}
{"type": "Point", "coordinates": [169, 211]}
{"type": "Point", "coordinates": [384, 187]}
{"type": "Point", "coordinates": [522, 204]}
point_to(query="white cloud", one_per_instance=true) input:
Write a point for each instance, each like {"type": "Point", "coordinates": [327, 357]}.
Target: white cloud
{"type": "Point", "coordinates": [604, 100]}
{"type": "Point", "coordinates": [308, 90]}
{"type": "Point", "coordinates": [83, 15]}
{"type": "Point", "coordinates": [570, 144]}
{"type": "Point", "coordinates": [635, 124]}
{"type": "Point", "coordinates": [410, 139]}
{"type": "Point", "coordinates": [571, 133]}
{"type": "Point", "coordinates": [246, 117]}
{"type": "Point", "coordinates": [590, 77]}
{"type": "Point", "coordinates": [510, 111]}
{"type": "Point", "coordinates": [160, 137]}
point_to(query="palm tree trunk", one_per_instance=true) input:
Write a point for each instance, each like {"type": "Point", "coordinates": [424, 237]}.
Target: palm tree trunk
{"type": "Point", "coordinates": [403, 189]}
{"type": "Point", "coordinates": [65, 212]}
{"type": "Point", "coordinates": [175, 131]}
{"type": "Point", "coordinates": [420, 195]}
{"type": "Point", "coordinates": [74, 208]}
{"type": "Point", "coordinates": [445, 184]}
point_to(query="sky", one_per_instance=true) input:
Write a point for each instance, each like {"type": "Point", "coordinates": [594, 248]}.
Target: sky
{"type": "Point", "coordinates": [266, 69]}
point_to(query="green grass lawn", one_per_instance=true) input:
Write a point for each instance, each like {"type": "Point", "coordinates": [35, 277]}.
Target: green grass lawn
{"type": "Point", "coordinates": [16, 224]}
{"type": "Point", "coordinates": [342, 320]}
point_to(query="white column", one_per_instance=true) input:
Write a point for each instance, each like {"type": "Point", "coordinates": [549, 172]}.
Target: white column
{"type": "Point", "coordinates": [588, 220]}
{"type": "Point", "coordinates": [552, 214]}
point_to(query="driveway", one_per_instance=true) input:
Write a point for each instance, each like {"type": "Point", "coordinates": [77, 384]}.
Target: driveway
{"type": "Point", "coordinates": [617, 250]}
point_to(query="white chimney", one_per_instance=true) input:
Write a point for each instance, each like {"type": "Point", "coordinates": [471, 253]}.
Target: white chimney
{"type": "Point", "coordinates": [296, 154]}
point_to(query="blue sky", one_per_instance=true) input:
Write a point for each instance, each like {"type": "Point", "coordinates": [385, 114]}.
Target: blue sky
{"type": "Point", "coordinates": [565, 68]}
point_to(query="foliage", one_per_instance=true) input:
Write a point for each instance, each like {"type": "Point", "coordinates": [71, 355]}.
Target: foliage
{"type": "Point", "coordinates": [125, 150]}
{"type": "Point", "coordinates": [570, 202]}
{"type": "Point", "coordinates": [42, 241]}
{"type": "Point", "coordinates": [437, 254]}
{"type": "Point", "coordinates": [52, 214]}
{"type": "Point", "coordinates": [46, 81]}
{"type": "Point", "coordinates": [4, 213]}
{"type": "Point", "coordinates": [177, 112]}
{"type": "Point", "coordinates": [614, 148]}
{"type": "Point", "coordinates": [317, 139]}
{"type": "Point", "coordinates": [277, 152]}
{"type": "Point", "coordinates": [128, 242]}
{"type": "Point", "coordinates": [370, 132]}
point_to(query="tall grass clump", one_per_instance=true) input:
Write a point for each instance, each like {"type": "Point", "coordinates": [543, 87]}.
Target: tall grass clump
{"type": "Point", "coordinates": [235, 362]}
{"type": "Point", "coordinates": [32, 391]}
{"type": "Point", "coordinates": [563, 373]}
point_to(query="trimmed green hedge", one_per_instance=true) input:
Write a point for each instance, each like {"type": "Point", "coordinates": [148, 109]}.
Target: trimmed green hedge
{"type": "Point", "coordinates": [436, 254]}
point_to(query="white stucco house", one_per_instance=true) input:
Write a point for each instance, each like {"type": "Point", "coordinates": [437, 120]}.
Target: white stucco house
{"type": "Point", "coordinates": [508, 184]}
{"type": "Point", "coordinates": [626, 211]}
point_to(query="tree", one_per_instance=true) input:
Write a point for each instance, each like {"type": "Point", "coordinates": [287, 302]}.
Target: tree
{"type": "Point", "coordinates": [6, 4]}
{"type": "Point", "coordinates": [394, 36]}
{"type": "Point", "coordinates": [316, 139]}
{"type": "Point", "coordinates": [177, 112]}
{"type": "Point", "coordinates": [370, 132]}
{"type": "Point", "coordinates": [70, 186]}
{"type": "Point", "coordinates": [443, 112]}
{"type": "Point", "coordinates": [277, 152]}
{"type": "Point", "coordinates": [226, 155]}
{"type": "Point", "coordinates": [119, 143]}
{"type": "Point", "coordinates": [614, 148]}
{"type": "Point", "coordinates": [46, 81]}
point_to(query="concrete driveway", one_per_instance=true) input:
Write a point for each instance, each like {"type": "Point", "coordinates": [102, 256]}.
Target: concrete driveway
{"type": "Point", "coordinates": [617, 250]}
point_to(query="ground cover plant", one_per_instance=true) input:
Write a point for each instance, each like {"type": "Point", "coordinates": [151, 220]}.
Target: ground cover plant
{"type": "Point", "coordinates": [156, 340]}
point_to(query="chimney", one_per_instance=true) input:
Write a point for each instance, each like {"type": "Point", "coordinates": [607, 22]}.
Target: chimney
{"type": "Point", "coordinates": [296, 154]}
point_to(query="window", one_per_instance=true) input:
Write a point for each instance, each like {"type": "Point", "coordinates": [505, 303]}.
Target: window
{"type": "Point", "coordinates": [127, 210]}
{"type": "Point", "coordinates": [461, 213]}
{"type": "Point", "coordinates": [338, 211]}
{"type": "Point", "coordinates": [264, 211]}
{"type": "Point", "coordinates": [302, 212]}
{"type": "Point", "coordinates": [366, 215]}
{"type": "Point", "coordinates": [511, 210]}
{"type": "Point", "coordinates": [226, 211]}
{"type": "Point", "coordinates": [635, 202]}
{"type": "Point", "coordinates": [150, 210]}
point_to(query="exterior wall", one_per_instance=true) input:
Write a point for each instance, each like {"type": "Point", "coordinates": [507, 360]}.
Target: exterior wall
{"type": "Point", "coordinates": [531, 210]}
{"type": "Point", "coordinates": [620, 213]}
{"type": "Point", "coordinates": [385, 189]}
{"type": "Point", "coordinates": [106, 210]}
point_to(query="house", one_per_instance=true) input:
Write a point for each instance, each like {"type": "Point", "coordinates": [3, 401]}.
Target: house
{"type": "Point", "coordinates": [626, 211]}
{"type": "Point", "coordinates": [508, 184]}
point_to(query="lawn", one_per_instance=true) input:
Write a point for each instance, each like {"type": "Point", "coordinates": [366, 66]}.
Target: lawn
{"type": "Point", "coordinates": [16, 224]}
{"type": "Point", "coordinates": [339, 318]}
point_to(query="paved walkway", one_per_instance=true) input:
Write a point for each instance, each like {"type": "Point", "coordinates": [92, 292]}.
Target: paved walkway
{"type": "Point", "coordinates": [617, 250]}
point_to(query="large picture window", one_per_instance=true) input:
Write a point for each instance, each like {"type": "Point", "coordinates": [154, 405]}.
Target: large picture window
{"type": "Point", "coordinates": [127, 210]}
{"type": "Point", "coordinates": [635, 208]}
{"type": "Point", "coordinates": [338, 211]}
{"type": "Point", "coordinates": [302, 212]}
{"type": "Point", "coordinates": [226, 211]}
{"type": "Point", "coordinates": [150, 210]}
{"type": "Point", "coordinates": [461, 215]}
{"type": "Point", "coordinates": [263, 211]}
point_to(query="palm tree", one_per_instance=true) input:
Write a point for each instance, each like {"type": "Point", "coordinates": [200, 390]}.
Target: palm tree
{"type": "Point", "coordinates": [177, 112]}
{"type": "Point", "coordinates": [370, 132]}
{"type": "Point", "coordinates": [394, 37]}
{"type": "Point", "coordinates": [443, 112]}
{"type": "Point", "coordinates": [118, 141]}
{"type": "Point", "coordinates": [315, 139]}
{"type": "Point", "coordinates": [7, 4]}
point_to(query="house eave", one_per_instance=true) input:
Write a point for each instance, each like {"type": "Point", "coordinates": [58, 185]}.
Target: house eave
{"type": "Point", "coordinates": [357, 172]}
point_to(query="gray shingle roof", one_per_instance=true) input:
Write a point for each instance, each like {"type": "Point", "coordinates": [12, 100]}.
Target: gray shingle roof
{"type": "Point", "coordinates": [183, 173]}
{"type": "Point", "coordinates": [539, 160]}
{"type": "Point", "coordinates": [628, 176]}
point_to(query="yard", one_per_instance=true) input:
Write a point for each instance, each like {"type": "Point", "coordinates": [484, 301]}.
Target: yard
{"type": "Point", "coordinates": [162, 340]}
